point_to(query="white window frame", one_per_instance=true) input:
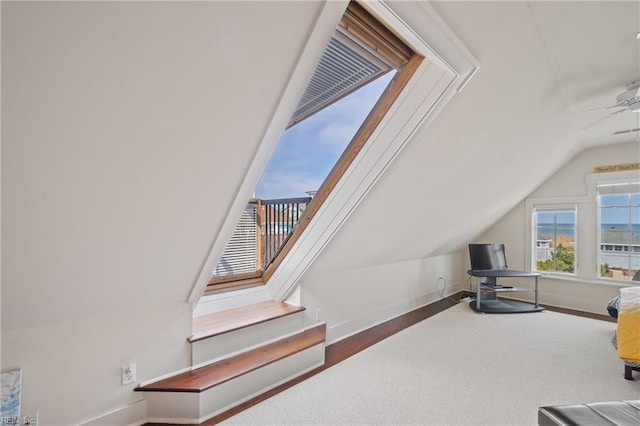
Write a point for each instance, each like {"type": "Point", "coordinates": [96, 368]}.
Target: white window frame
{"type": "Point", "coordinates": [587, 222]}
{"type": "Point", "coordinates": [619, 180]}
{"type": "Point", "coordinates": [553, 207]}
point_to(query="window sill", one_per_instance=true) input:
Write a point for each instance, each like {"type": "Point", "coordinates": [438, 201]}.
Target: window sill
{"type": "Point", "coordinates": [593, 281]}
{"type": "Point", "coordinates": [233, 285]}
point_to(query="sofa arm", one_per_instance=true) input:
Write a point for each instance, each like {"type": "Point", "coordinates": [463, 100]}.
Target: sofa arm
{"type": "Point", "coordinates": [598, 413]}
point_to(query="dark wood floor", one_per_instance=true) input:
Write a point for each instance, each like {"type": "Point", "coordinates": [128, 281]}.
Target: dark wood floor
{"type": "Point", "coordinates": [350, 346]}
{"type": "Point", "coordinates": [580, 313]}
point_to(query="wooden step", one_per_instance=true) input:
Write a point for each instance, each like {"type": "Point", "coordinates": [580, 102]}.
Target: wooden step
{"type": "Point", "coordinates": [201, 379]}
{"type": "Point", "coordinates": [202, 393]}
{"type": "Point", "coordinates": [234, 319]}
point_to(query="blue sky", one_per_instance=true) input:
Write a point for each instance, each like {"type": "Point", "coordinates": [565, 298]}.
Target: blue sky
{"type": "Point", "coordinates": [619, 215]}
{"type": "Point", "coordinates": [308, 151]}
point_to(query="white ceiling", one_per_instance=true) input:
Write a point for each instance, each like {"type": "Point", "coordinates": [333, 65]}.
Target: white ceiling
{"type": "Point", "coordinates": [594, 53]}
{"type": "Point", "coordinates": [504, 134]}
{"type": "Point", "coordinates": [174, 60]}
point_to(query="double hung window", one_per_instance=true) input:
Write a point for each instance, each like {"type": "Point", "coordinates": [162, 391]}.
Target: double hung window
{"type": "Point", "coordinates": [619, 230]}
{"type": "Point", "coordinates": [555, 239]}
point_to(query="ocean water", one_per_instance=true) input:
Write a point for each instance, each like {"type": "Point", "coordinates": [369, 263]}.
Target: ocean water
{"type": "Point", "coordinates": [620, 227]}
{"type": "Point", "coordinates": [546, 229]}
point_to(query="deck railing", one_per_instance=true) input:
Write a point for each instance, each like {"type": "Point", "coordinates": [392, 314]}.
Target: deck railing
{"type": "Point", "coordinates": [280, 218]}
{"type": "Point", "coordinates": [263, 229]}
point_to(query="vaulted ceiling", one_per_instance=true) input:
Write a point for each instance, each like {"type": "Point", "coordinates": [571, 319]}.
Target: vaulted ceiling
{"type": "Point", "coordinates": [594, 52]}
{"type": "Point", "coordinates": [132, 131]}
{"type": "Point", "coordinates": [505, 133]}
{"type": "Point", "coordinates": [138, 124]}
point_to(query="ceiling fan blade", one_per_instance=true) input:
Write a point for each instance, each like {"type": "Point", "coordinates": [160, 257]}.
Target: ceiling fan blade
{"type": "Point", "coordinates": [592, 110]}
{"type": "Point", "coordinates": [601, 119]}
{"type": "Point", "coordinates": [622, 132]}
{"type": "Point", "coordinates": [636, 130]}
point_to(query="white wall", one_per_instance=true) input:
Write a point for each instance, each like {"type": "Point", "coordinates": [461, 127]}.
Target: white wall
{"type": "Point", "coordinates": [433, 198]}
{"type": "Point", "coordinates": [356, 299]}
{"type": "Point", "coordinates": [584, 292]}
{"type": "Point", "coordinates": [127, 130]}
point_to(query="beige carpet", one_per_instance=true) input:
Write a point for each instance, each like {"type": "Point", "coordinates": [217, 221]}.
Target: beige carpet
{"type": "Point", "coordinates": [461, 368]}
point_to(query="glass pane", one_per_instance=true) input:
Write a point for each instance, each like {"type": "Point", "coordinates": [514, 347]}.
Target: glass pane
{"type": "Point", "coordinates": [635, 200]}
{"type": "Point", "coordinates": [308, 151]}
{"type": "Point", "coordinates": [614, 200]}
{"type": "Point", "coordinates": [626, 274]}
{"type": "Point", "coordinates": [546, 264]}
{"type": "Point", "coordinates": [565, 260]}
{"type": "Point", "coordinates": [635, 264]}
{"type": "Point", "coordinates": [615, 237]}
{"type": "Point", "coordinates": [617, 262]}
{"type": "Point", "coordinates": [566, 218]}
{"type": "Point", "coordinates": [545, 233]}
{"type": "Point", "coordinates": [545, 218]}
{"type": "Point", "coordinates": [565, 242]}
{"type": "Point", "coordinates": [634, 216]}
{"type": "Point", "coordinates": [555, 240]}
{"type": "Point", "coordinates": [613, 217]}
{"type": "Point", "coordinates": [569, 232]}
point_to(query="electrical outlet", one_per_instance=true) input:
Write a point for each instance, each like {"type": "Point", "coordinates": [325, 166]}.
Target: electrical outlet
{"type": "Point", "coordinates": [128, 373]}
{"type": "Point", "coordinates": [318, 314]}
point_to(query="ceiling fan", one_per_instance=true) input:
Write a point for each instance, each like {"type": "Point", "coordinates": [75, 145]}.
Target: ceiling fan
{"type": "Point", "coordinates": [629, 100]}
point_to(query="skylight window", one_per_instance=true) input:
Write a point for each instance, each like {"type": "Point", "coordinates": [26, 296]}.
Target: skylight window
{"type": "Point", "coordinates": [362, 70]}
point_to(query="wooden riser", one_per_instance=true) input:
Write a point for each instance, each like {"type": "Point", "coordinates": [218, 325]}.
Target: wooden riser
{"type": "Point", "coordinates": [236, 355]}
{"type": "Point", "coordinates": [197, 407]}
{"type": "Point", "coordinates": [209, 350]}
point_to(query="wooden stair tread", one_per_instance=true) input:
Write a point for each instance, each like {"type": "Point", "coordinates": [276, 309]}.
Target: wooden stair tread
{"type": "Point", "coordinates": [234, 319]}
{"type": "Point", "coordinates": [201, 379]}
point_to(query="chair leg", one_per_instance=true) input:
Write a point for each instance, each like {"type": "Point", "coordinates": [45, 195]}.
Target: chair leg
{"type": "Point", "coordinates": [628, 372]}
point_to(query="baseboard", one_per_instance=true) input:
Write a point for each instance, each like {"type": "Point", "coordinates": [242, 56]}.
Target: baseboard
{"type": "Point", "coordinates": [355, 326]}
{"type": "Point", "coordinates": [134, 414]}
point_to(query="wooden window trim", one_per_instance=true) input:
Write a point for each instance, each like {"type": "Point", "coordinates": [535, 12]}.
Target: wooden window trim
{"type": "Point", "coordinates": [237, 284]}
{"type": "Point", "coordinates": [235, 277]}
{"type": "Point", "coordinates": [367, 31]}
